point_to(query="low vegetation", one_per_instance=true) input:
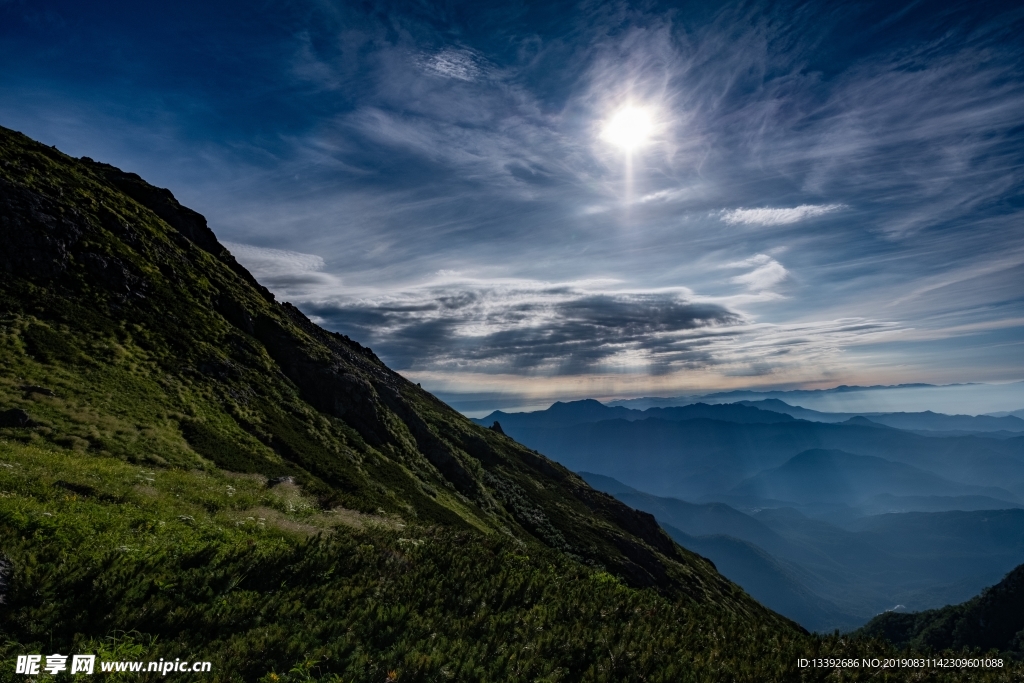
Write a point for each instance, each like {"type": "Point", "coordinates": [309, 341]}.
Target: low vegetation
{"type": "Point", "coordinates": [138, 562]}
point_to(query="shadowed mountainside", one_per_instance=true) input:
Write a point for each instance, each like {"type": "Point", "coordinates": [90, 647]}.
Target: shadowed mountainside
{"type": "Point", "coordinates": [828, 577]}
{"type": "Point", "coordinates": [993, 620]}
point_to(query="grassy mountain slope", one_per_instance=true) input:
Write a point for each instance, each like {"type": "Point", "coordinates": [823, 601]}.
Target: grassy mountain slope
{"type": "Point", "coordinates": [189, 468]}
{"type": "Point", "coordinates": [130, 332]}
{"type": "Point", "coordinates": [137, 562]}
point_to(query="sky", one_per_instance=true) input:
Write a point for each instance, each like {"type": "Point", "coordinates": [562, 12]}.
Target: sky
{"type": "Point", "coordinates": [814, 194]}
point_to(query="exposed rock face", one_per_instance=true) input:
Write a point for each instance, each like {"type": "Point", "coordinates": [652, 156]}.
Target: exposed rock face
{"type": "Point", "coordinates": [37, 234]}
{"type": "Point", "coordinates": [15, 417]}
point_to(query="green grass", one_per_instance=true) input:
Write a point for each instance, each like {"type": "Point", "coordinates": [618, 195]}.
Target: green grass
{"type": "Point", "coordinates": [138, 562]}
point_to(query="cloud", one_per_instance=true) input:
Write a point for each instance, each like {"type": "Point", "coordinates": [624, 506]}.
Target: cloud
{"type": "Point", "coordinates": [389, 148]}
{"type": "Point", "coordinates": [460, 64]}
{"type": "Point", "coordinates": [529, 326]}
{"type": "Point", "coordinates": [778, 216]}
{"type": "Point", "coordinates": [467, 329]}
{"type": "Point", "coordinates": [283, 271]}
{"type": "Point", "coordinates": [274, 261]}
{"type": "Point", "coordinates": [669, 195]}
{"type": "Point", "coordinates": [472, 328]}
{"type": "Point", "coordinates": [766, 274]}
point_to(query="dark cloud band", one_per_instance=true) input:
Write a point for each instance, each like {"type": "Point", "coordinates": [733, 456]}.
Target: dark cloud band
{"type": "Point", "coordinates": [558, 330]}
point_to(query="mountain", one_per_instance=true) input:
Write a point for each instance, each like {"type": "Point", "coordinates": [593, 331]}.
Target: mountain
{"type": "Point", "coordinates": [742, 548]}
{"type": "Point", "coordinates": [959, 533]}
{"type": "Point", "coordinates": [704, 459]}
{"type": "Point", "coordinates": [119, 295]}
{"type": "Point", "coordinates": [559, 414]}
{"type": "Point", "coordinates": [740, 394]}
{"type": "Point", "coordinates": [231, 479]}
{"type": "Point", "coordinates": [770, 581]}
{"type": "Point", "coordinates": [835, 477]}
{"type": "Point", "coordinates": [727, 412]}
{"type": "Point", "coordinates": [1000, 434]}
{"type": "Point", "coordinates": [695, 519]}
{"type": "Point", "coordinates": [994, 620]}
{"type": "Point", "coordinates": [927, 421]}
{"type": "Point", "coordinates": [887, 503]}
{"type": "Point", "coordinates": [856, 400]}
{"type": "Point", "coordinates": [579, 412]}
{"type": "Point", "coordinates": [916, 559]}
{"type": "Point", "coordinates": [825, 576]}
{"type": "Point", "coordinates": [1013, 413]}
{"type": "Point", "coordinates": [778, 406]}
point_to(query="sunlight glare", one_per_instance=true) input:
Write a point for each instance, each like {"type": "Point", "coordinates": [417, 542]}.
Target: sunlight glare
{"type": "Point", "coordinates": [629, 128]}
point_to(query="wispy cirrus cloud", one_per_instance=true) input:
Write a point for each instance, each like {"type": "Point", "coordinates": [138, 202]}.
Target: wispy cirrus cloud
{"type": "Point", "coordinates": [282, 270]}
{"type": "Point", "coordinates": [460, 64]}
{"type": "Point", "coordinates": [768, 216]}
{"type": "Point", "coordinates": [364, 153]}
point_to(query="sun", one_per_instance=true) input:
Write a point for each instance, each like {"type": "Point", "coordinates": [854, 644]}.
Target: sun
{"type": "Point", "coordinates": [629, 128]}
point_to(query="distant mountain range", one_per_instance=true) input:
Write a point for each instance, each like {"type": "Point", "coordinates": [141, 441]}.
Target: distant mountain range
{"type": "Point", "coordinates": [960, 398]}
{"type": "Point", "coordinates": [1013, 413]}
{"type": "Point", "coordinates": [579, 412]}
{"type": "Point", "coordinates": [589, 410]}
{"type": "Point", "coordinates": [827, 518]}
{"type": "Point", "coordinates": [704, 452]}
{"type": "Point", "coordinates": [750, 394]}
{"type": "Point", "coordinates": [825, 576]}
{"type": "Point", "coordinates": [925, 421]}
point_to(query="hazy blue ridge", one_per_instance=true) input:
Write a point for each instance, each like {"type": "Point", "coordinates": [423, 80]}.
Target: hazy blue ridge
{"type": "Point", "coordinates": [700, 457]}
{"type": "Point", "coordinates": [856, 571]}
{"type": "Point", "coordinates": [924, 421]}
{"type": "Point", "coordinates": [768, 580]}
{"type": "Point", "coordinates": [589, 410]}
{"type": "Point", "coordinates": [563, 414]}
{"type": "Point", "coordinates": [834, 476]}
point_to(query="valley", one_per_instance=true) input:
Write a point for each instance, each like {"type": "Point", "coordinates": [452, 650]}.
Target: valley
{"type": "Point", "coordinates": [827, 519]}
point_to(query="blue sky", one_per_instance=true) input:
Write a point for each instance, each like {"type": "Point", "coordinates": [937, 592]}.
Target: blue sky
{"type": "Point", "coordinates": [829, 193]}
